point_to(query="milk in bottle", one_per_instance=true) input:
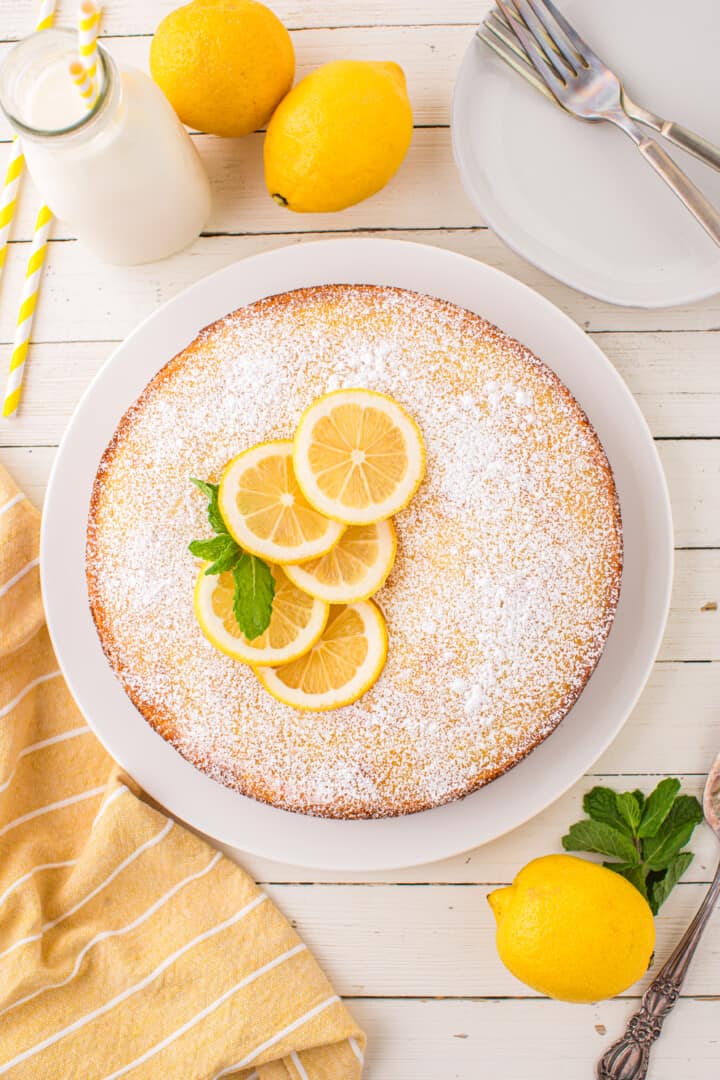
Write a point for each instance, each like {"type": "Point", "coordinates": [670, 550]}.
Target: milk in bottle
{"type": "Point", "coordinates": [124, 175]}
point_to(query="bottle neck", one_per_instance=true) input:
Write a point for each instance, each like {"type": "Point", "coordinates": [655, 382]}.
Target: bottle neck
{"type": "Point", "coordinates": [39, 98]}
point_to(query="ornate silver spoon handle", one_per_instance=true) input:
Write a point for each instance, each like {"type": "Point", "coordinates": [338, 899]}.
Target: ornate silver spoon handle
{"type": "Point", "coordinates": [628, 1058]}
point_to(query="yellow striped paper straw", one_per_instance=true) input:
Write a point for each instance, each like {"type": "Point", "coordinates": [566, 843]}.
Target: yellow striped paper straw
{"type": "Point", "coordinates": [84, 83]}
{"type": "Point", "coordinates": [16, 164]}
{"type": "Point", "coordinates": [8, 204]}
{"type": "Point", "coordinates": [88, 27]}
{"type": "Point", "coordinates": [10, 191]}
{"type": "Point", "coordinates": [28, 304]}
{"type": "Point", "coordinates": [46, 15]}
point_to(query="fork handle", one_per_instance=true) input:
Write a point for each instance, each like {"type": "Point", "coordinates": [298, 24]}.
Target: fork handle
{"type": "Point", "coordinates": [629, 1057]}
{"type": "Point", "coordinates": [696, 145]}
{"type": "Point", "coordinates": [702, 210]}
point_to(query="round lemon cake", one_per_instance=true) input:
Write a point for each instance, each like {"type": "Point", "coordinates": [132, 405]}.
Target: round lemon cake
{"type": "Point", "coordinates": [501, 597]}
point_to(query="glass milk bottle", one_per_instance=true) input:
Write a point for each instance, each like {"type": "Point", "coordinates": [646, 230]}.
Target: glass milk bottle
{"type": "Point", "coordinates": [124, 174]}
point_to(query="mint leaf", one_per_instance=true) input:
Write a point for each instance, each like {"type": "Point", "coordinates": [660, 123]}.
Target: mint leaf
{"type": "Point", "coordinates": [686, 808]}
{"type": "Point", "coordinates": [254, 583]}
{"type": "Point", "coordinates": [634, 874]}
{"type": "Point", "coordinates": [603, 838]}
{"type": "Point", "coordinates": [254, 592]}
{"type": "Point", "coordinates": [674, 833]}
{"type": "Point", "coordinates": [220, 551]}
{"type": "Point", "coordinates": [645, 833]}
{"type": "Point", "coordinates": [601, 805]}
{"type": "Point", "coordinates": [657, 806]}
{"type": "Point", "coordinates": [209, 549]}
{"type": "Point", "coordinates": [213, 511]}
{"type": "Point", "coordinates": [628, 807]}
{"type": "Point", "coordinates": [659, 851]}
{"type": "Point", "coordinates": [207, 489]}
{"type": "Point", "coordinates": [660, 890]}
{"type": "Point", "coordinates": [227, 558]}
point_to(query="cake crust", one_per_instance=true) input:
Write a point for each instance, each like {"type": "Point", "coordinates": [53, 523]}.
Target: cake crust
{"type": "Point", "coordinates": [508, 571]}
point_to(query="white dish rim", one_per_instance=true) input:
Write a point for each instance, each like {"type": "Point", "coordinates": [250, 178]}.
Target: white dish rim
{"type": "Point", "coordinates": [491, 219]}
{"type": "Point", "coordinates": [224, 815]}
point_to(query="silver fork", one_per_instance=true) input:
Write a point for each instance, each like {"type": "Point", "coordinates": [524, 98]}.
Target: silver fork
{"type": "Point", "coordinates": [496, 33]}
{"type": "Point", "coordinates": [588, 89]}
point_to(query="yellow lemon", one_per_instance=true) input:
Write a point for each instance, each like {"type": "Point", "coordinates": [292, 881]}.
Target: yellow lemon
{"type": "Point", "coordinates": [223, 64]}
{"type": "Point", "coordinates": [342, 664]}
{"type": "Point", "coordinates": [352, 570]}
{"type": "Point", "coordinates": [265, 510]}
{"type": "Point", "coordinates": [572, 929]}
{"type": "Point", "coordinates": [339, 136]}
{"type": "Point", "coordinates": [358, 456]}
{"type": "Point", "coordinates": [296, 623]}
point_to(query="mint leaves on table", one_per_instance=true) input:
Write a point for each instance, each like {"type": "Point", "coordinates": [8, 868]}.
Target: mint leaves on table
{"type": "Point", "coordinates": [646, 834]}
{"type": "Point", "coordinates": [254, 583]}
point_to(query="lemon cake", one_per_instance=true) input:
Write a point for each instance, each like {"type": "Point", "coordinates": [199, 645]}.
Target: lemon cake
{"type": "Point", "coordinates": [501, 596]}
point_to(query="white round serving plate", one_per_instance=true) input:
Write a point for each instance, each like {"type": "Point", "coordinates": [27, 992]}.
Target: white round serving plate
{"type": "Point", "coordinates": [547, 772]}
{"type": "Point", "coordinates": [577, 199]}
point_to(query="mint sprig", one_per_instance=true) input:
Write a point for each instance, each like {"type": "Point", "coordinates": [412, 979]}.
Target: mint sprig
{"type": "Point", "coordinates": [220, 551]}
{"type": "Point", "coordinates": [213, 511]}
{"type": "Point", "coordinates": [645, 834]}
{"type": "Point", "coordinates": [254, 592]}
{"type": "Point", "coordinates": [254, 583]}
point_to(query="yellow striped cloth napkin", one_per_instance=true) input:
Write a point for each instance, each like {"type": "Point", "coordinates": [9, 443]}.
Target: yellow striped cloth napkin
{"type": "Point", "coordinates": [128, 946]}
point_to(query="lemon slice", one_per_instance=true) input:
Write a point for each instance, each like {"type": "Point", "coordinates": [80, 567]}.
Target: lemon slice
{"type": "Point", "coordinates": [340, 667]}
{"type": "Point", "coordinates": [354, 569]}
{"type": "Point", "coordinates": [265, 510]}
{"type": "Point", "coordinates": [296, 623]}
{"type": "Point", "coordinates": [358, 456]}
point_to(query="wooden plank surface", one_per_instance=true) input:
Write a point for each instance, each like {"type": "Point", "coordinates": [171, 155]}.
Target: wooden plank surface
{"type": "Point", "coordinates": [413, 949]}
{"type": "Point", "coordinates": [241, 204]}
{"type": "Point", "coordinates": [525, 1039]}
{"type": "Point", "coordinates": [141, 17]}
{"type": "Point", "coordinates": [452, 928]}
{"type": "Point", "coordinates": [498, 862]}
{"type": "Point", "coordinates": [692, 466]}
{"type": "Point", "coordinates": [692, 631]}
{"type": "Point", "coordinates": [84, 300]}
{"type": "Point", "coordinates": [675, 379]}
{"type": "Point", "coordinates": [429, 55]}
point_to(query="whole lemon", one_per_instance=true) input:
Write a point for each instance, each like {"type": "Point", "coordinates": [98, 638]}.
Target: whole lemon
{"type": "Point", "coordinates": [572, 929]}
{"type": "Point", "coordinates": [223, 64]}
{"type": "Point", "coordinates": [339, 136]}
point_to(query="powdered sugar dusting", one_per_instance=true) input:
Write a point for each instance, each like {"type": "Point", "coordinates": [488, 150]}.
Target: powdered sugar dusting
{"type": "Point", "coordinates": [505, 584]}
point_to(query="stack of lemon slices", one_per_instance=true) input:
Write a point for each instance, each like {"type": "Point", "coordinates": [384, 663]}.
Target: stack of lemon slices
{"type": "Point", "coordinates": [318, 509]}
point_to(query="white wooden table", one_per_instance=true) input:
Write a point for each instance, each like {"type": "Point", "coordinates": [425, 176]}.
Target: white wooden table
{"type": "Point", "coordinates": [413, 951]}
